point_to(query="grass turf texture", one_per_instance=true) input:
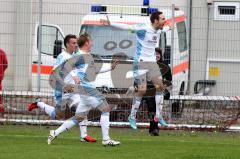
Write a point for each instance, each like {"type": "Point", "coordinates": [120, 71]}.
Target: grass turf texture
{"type": "Point", "coordinates": [26, 141]}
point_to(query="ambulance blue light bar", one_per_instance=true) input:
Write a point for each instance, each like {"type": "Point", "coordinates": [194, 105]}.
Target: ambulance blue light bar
{"type": "Point", "coordinates": [152, 10]}
{"type": "Point", "coordinates": [117, 9]}
{"type": "Point", "coordinates": [96, 8]}
{"type": "Point", "coordinates": [146, 2]}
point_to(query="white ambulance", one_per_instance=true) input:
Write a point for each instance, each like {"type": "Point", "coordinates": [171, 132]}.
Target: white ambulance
{"type": "Point", "coordinates": [110, 42]}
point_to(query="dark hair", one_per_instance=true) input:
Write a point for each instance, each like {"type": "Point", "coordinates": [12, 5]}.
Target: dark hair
{"type": "Point", "coordinates": [155, 16]}
{"type": "Point", "coordinates": [68, 37]}
{"type": "Point", "coordinates": [82, 39]}
{"type": "Point", "coordinates": [158, 50]}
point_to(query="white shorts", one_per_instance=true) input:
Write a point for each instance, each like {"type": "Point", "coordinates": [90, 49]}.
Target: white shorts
{"type": "Point", "coordinates": [71, 100]}
{"type": "Point", "coordinates": [89, 102]}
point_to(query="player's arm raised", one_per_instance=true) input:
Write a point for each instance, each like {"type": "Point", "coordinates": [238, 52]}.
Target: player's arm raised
{"type": "Point", "coordinates": [131, 28]}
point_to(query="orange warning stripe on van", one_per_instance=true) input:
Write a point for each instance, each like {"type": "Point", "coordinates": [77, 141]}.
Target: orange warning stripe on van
{"type": "Point", "coordinates": [176, 20]}
{"type": "Point", "coordinates": [44, 69]}
{"type": "Point", "coordinates": [48, 69]}
{"type": "Point", "coordinates": [181, 67]}
{"type": "Point", "coordinates": [168, 21]}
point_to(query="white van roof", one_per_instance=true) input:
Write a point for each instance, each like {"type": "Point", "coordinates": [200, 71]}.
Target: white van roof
{"type": "Point", "coordinates": [94, 18]}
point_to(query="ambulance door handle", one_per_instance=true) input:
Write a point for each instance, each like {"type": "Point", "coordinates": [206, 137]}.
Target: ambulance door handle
{"type": "Point", "coordinates": [35, 62]}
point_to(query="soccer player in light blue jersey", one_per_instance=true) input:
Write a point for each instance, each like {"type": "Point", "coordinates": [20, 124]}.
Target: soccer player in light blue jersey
{"type": "Point", "coordinates": [147, 36]}
{"type": "Point", "coordinates": [90, 97]}
{"type": "Point", "coordinates": [70, 43]}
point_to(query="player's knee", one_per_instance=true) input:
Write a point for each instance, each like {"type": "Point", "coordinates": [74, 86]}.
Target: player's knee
{"type": "Point", "coordinates": [141, 93]}
{"type": "Point", "coordinates": [159, 87]}
{"type": "Point", "coordinates": [80, 116]}
{"type": "Point", "coordinates": [59, 113]}
{"type": "Point", "coordinates": [141, 90]}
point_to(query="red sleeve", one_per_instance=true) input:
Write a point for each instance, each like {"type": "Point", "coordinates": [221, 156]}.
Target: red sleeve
{"type": "Point", "coordinates": [4, 60]}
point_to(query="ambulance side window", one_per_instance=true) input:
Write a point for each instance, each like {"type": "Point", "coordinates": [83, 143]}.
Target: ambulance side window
{"type": "Point", "coordinates": [49, 35]}
{"type": "Point", "coordinates": [84, 29]}
{"type": "Point", "coordinates": [182, 36]}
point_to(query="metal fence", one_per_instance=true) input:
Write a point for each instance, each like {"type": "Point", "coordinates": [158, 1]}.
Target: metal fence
{"type": "Point", "coordinates": [204, 61]}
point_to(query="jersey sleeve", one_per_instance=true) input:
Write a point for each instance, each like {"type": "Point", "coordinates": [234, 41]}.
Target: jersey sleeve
{"type": "Point", "coordinates": [131, 28]}
{"type": "Point", "coordinates": [139, 27]}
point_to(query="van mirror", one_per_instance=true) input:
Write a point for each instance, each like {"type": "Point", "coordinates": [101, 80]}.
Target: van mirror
{"type": "Point", "coordinates": [167, 54]}
{"type": "Point", "coordinates": [57, 48]}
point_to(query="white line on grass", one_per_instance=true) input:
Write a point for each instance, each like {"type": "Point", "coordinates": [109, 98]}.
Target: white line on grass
{"type": "Point", "coordinates": [124, 139]}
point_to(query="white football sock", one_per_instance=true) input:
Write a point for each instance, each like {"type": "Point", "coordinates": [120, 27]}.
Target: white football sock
{"type": "Point", "coordinates": [159, 103]}
{"type": "Point", "coordinates": [104, 122]}
{"type": "Point", "coordinates": [83, 128]}
{"type": "Point", "coordinates": [135, 106]}
{"type": "Point", "coordinates": [68, 124]}
{"type": "Point", "coordinates": [49, 110]}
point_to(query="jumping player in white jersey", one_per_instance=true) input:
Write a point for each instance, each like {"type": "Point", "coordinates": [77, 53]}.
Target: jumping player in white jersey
{"type": "Point", "coordinates": [145, 59]}
{"type": "Point", "coordinates": [90, 98]}
{"type": "Point", "coordinates": [70, 43]}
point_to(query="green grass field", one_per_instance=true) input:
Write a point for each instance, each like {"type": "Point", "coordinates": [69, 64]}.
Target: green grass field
{"type": "Point", "coordinates": [24, 141]}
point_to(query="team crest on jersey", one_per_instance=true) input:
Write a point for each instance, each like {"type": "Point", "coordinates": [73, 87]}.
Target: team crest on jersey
{"type": "Point", "coordinates": [154, 38]}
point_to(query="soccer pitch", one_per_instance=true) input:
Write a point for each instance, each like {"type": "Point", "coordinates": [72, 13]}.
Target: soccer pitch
{"type": "Point", "coordinates": [26, 141]}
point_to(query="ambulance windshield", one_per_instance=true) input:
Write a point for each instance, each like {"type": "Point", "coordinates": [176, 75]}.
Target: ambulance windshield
{"type": "Point", "coordinates": [109, 41]}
